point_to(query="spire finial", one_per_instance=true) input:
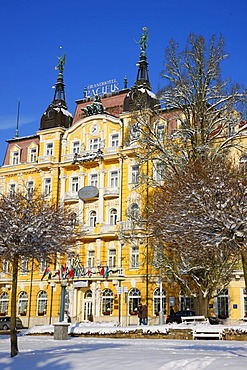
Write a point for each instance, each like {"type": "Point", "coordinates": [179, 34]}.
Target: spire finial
{"type": "Point", "coordinates": [17, 120]}
{"type": "Point", "coordinates": [143, 40]}
{"type": "Point", "coordinates": [59, 95]}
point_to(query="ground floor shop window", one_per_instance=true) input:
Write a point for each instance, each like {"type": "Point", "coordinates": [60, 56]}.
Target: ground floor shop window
{"type": "Point", "coordinates": [42, 303]}
{"type": "Point", "coordinates": [4, 303]}
{"type": "Point", "coordinates": [134, 299]}
{"type": "Point", "coordinates": [157, 301]}
{"type": "Point", "coordinates": [223, 304]}
{"type": "Point", "coordinates": [185, 302]}
{"type": "Point", "coordinates": [22, 304]}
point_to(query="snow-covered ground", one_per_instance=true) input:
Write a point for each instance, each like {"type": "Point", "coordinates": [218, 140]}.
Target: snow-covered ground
{"type": "Point", "coordinates": [77, 353]}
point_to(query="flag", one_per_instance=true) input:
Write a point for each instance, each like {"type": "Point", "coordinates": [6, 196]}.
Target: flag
{"type": "Point", "coordinates": [46, 272]}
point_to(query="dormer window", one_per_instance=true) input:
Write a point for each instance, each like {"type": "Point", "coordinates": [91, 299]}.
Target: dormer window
{"type": "Point", "coordinates": [33, 154]}
{"type": "Point", "coordinates": [15, 158]}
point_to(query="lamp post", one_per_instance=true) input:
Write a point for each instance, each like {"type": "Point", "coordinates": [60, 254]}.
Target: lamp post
{"type": "Point", "coordinates": [62, 300]}
{"type": "Point", "coordinates": [161, 313]}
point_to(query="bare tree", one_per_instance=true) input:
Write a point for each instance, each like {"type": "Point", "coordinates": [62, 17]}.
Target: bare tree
{"type": "Point", "coordinates": [31, 227]}
{"type": "Point", "coordinates": [200, 113]}
{"type": "Point", "coordinates": [199, 226]}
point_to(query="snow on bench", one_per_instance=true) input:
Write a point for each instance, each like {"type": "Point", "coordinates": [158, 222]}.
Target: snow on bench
{"type": "Point", "coordinates": [193, 319]}
{"type": "Point", "coordinates": [207, 332]}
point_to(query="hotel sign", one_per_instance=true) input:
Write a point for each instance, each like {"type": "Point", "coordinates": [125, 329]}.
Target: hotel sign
{"type": "Point", "coordinates": [88, 192]}
{"type": "Point", "coordinates": [101, 88]}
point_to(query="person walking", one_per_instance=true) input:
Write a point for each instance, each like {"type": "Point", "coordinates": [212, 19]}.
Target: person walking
{"type": "Point", "coordinates": [144, 314]}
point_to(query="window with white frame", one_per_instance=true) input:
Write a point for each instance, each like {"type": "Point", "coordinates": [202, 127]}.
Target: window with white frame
{"type": "Point", "coordinates": [5, 267]}
{"type": "Point", "coordinates": [160, 132]}
{"type": "Point", "coordinates": [112, 257]}
{"type": "Point", "coordinates": [42, 265]}
{"type": "Point", "coordinates": [158, 301]}
{"type": "Point", "coordinates": [223, 304]}
{"type": "Point", "coordinates": [74, 184]}
{"type": "Point", "coordinates": [113, 216]}
{"type": "Point", "coordinates": [92, 218]}
{"type": "Point", "coordinates": [134, 300]}
{"type": "Point", "coordinates": [47, 186]}
{"type": "Point", "coordinates": [159, 171]}
{"type": "Point", "coordinates": [22, 303]}
{"type": "Point", "coordinates": [30, 187]}
{"type": "Point", "coordinates": [114, 179]}
{"type": "Point", "coordinates": [12, 189]}
{"type": "Point", "coordinates": [185, 302]}
{"type": "Point", "coordinates": [42, 303]}
{"type": "Point", "coordinates": [94, 144]}
{"type": "Point", "coordinates": [76, 147]}
{"type": "Point", "coordinates": [24, 266]}
{"type": "Point", "coordinates": [90, 259]}
{"type": "Point", "coordinates": [15, 158]}
{"type": "Point", "coordinates": [245, 302]}
{"type": "Point", "coordinates": [33, 154]}
{"type": "Point", "coordinates": [49, 149]}
{"type": "Point", "coordinates": [4, 303]}
{"type": "Point", "coordinates": [135, 131]}
{"type": "Point", "coordinates": [107, 302]}
{"type": "Point", "coordinates": [135, 174]}
{"type": "Point", "coordinates": [134, 257]}
{"type": "Point", "coordinates": [114, 140]}
{"type": "Point", "coordinates": [93, 180]}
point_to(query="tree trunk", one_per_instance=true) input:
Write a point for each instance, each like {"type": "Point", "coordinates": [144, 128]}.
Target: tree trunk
{"type": "Point", "coordinates": [13, 334]}
{"type": "Point", "coordinates": [201, 305]}
{"type": "Point", "coordinates": [244, 263]}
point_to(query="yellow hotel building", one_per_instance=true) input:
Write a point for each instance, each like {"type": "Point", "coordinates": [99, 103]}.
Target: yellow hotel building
{"type": "Point", "coordinates": [84, 161]}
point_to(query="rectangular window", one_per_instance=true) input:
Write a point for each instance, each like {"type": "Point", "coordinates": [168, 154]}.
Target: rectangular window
{"type": "Point", "coordinates": [33, 155]}
{"type": "Point", "coordinates": [30, 187]}
{"type": "Point", "coordinates": [74, 184]}
{"type": "Point", "coordinates": [15, 158]}
{"type": "Point", "coordinates": [42, 265]}
{"type": "Point", "coordinates": [47, 186]}
{"type": "Point", "coordinates": [112, 258]}
{"type": "Point", "coordinates": [115, 140]}
{"type": "Point", "coordinates": [114, 179]}
{"type": "Point", "coordinates": [90, 259]}
{"type": "Point", "coordinates": [134, 257]}
{"type": "Point", "coordinates": [94, 144]}
{"type": "Point", "coordinates": [76, 147]}
{"type": "Point", "coordinates": [12, 189]}
{"type": "Point", "coordinates": [5, 267]}
{"type": "Point", "coordinates": [24, 266]}
{"type": "Point", "coordinates": [49, 149]}
{"type": "Point", "coordinates": [160, 132]}
{"type": "Point", "coordinates": [135, 173]}
{"type": "Point", "coordinates": [94, 180]}
{"type": "Point", "coordinates": [159, 169]}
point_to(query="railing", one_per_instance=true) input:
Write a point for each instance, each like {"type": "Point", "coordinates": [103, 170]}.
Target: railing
{"type": "Point", "coordinates": [108, 228]}
{"type": "Point", "coordinates": [111, 192]}
{"type": "Point", "coordinates": [46, 158]}
{"type": "Point", "coordinates": [71, 196]}
{"type": "Point", "coordinates": [131, 225]}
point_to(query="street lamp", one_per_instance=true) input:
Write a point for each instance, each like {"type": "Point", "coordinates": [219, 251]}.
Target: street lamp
{"type": "Point", "coordinates": [62, 300]}
{"type": "Point", "coordinates": [161, 313]}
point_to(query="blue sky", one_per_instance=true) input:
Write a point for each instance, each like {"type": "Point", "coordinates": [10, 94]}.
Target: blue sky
{"type": "Point", "coordinates": [98, 38]}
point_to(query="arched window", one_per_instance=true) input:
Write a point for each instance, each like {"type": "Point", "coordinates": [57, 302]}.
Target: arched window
{"type": "Point", "coordinates": [113, 216]}
{"type": "Point", "coordinates": [107, 302]}
{"type": "Point", "coordinates": [133, 212]}
{"type": "Point", "coordinates": [134, 299]}
{"type": "Point", "coordinates": [157, 301]}
{"type": "Point", "coordinates": [22, 303]}
{"type": "Point", "coordinates": [92, 218]}
{"type": "Point", "coordinates": [4, 303]}
{"type": "Point", "coordinates": [42, 303]}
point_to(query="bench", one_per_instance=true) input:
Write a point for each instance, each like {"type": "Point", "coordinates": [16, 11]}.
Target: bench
{"type": "Point", "coordinates": [204, 334]}
{"type": "Point", "coordinates": [193, 319]}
